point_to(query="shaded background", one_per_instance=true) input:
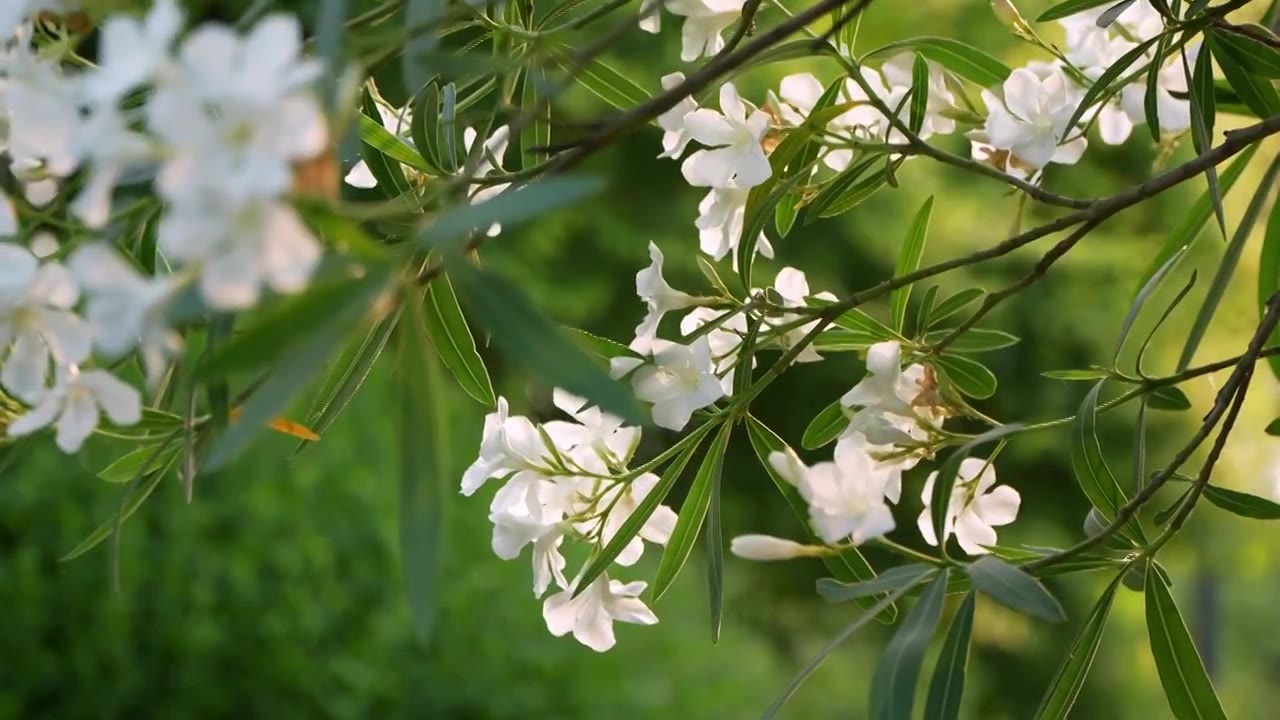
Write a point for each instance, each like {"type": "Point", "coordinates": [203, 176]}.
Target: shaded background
{"type": "Point", "coordinates": [278, 591]}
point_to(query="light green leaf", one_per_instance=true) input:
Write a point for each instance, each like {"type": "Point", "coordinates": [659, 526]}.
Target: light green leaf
{"type": "Point", "coordinates": [1242, 504]}
{"type": "Point", "coordinates": [968, 376]}
{"type": "Point", "coordinates": [911, 253]}
{"type": "Point", "coordinates": [919, 94]}
{"type": "Point", "coordinates": [947, 686]}
{"type": "Point", "coordinates": [825, 427]}
{"type": "Point", "coordinates": [131, 504]}
{"type": "Point", "coordinates": [1075, 374]}
{"type": "Point", "coordinates": [1186, 685]}
{"type": "Point", "coordinates": [1014, 588]}
{"type": "Point", "coordinates": [835, 591]}
{"type": "Point", "coordinates": [1070, 677]}
{"type": "Point", "coordinates": [893, 687]}
{"type": "Point", "coordinates": [1168, 397]}
{"type": "Point", "coordinates": [447, 329]}
{"type": "Point", "coordinates": [1069, 8]}
{"type": "Point", "coordinates": [1257, 92]}
{"type": "Point", "coordinates": [692, 513]}
{"type": "Point", "coordinates": [381, 140]}
{"type": "Point", "coordinates": [1091, 469]}
{"type": "Point", "coordinates": [139, 462]}
{"type": "Point", "coordinates": [603, 80]}
{"type": "Point", "coordinates": [954, 304]}
{"type": "Point", "coordinates": [356, 368]}
{"type": "Point", "coordinates": [964, 60]}
{"type": "Point", "coordinates": [974, 340]}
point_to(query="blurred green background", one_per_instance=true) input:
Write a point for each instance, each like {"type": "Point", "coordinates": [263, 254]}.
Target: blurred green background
{"type": "Point", "coordinates": [278, 591]}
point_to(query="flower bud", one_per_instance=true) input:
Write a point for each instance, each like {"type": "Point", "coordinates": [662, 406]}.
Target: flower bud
{"type": "Point", "coordinates": [765, 547]}
{"type": "Point", "coordinates": [1009, 16]}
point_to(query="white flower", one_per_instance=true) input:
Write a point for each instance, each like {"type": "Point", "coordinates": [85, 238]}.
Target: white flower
{"type": "Point", "coordinates": [495, 147]}
{"type": "Point", "coordinates": [43, 244]}
{"type": "Point", "coordinates": [793, 287]}
{"type": "Point", "coordinates": [239, 247]}
{"type": "Point", "coordinates": [704, 20]}
{"type": "Point", "coordinates": [36, 321]}
{"type": "Point", "coordinates": [766, 547]}
{"type": "Point", "coordinates": [510, 444]}
{"type": "Point", "coordinates": [659, 297]}
{"type": "Point", "coordinates": [651, 16]}
{"type": "Point", "coordinates": [8, 218]}
{"type": "Point", "coordinates": [800, 93]}
{"type": "Point", "coordinates": [724, 340]}
{"type": "Point", "coordinates": [109, 146]}
{"type": "Point", "coordinates": [890, 399]}
{"type": "Point", "coordinates": [543, 527]}
{"type": "Point", "coordinates": [1174, 114]}
{"type": "Point", "coordinates": [591, 615]}
{"type": "Point", "coordinates": [898, 73]}
{"type": "Point", "coordinates": [679, 380]}
{"type": "Point", "coordinates": [75, 403]}
{"type": "Point", "coordinates": [1031, 121]}
{"type": "Point", "coordinates": [43, 111]}
{"type": "Point", "coordinates": [890, 459]}
{"type": "Point", "coordinates": [976, 507]}
{"type": "Point", "coordinates": [130, 53]}
{"type": "Point", "coordinates": [602, 434]}
{"type": "Point", "coordinates": [624, 498]}
{"type": "Point", "coordinates": [738, 159]}
{"type": "Point", "coordinates": [675, 135]}
{"type": "Point", "coordinates": [126, 309]}
{"type": "Point", "coordinates": [845, 497]}
{"type": "Point", "coordinates": [721, 219]}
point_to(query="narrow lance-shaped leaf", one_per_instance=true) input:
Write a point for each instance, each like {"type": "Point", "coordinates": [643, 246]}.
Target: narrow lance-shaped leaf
{"type": "Point", "coordinates": [947, 686]}
{"type": "Point", "coordinates": [1069, 8]}
{"type": "Point", "coordinates": [835, 591]}
{"type": "Point", "coordinates": [909, 257]}
{"type": "Point", "coordinates": [825, 426]}
{"type": "Point", "coordinates": [1070, 677]}
{"type": "Point", "coordinates": [1186, 684]}
{"type": "Point", "coordinates": [969, 376]}
{"type": "Point", "coordinates": [1200, 84]}
{"type": "Point", "coordinates": [692, 513]}
{"type": "Point", "coordinates": [893, 687]}
{"type": "Point", "coordinates": [1091, 470]}
{"type": "Point", "coordinates": [1136, 306]}
{"type": "Point", "coordinates": [1255, 56]}
{"type": "Point", "coordinates": [1150, 100]}
{"type": "Point", "coordinates": [1257, 92]}
{"type": "Point", "coordinates": [715, 543]}
{"type": "Point", "coordinates": [1014, 588]}
{"type": "Point", "coordinates": [1269, 275]}
{"type": "Point", "coordinates": [453, 342]}
{"type": "Point", "coordinates": [603, 80]}
{"type": "Point", "coordinates": [1242, 504]}
{"type": "Point", "coordinates": [964, 60]}
{"type": "Point", "coordinates": [1103, 86]}
{"type": "Point", "coordinates": [451, 227]}
{"type": "Point", "coordinates": [919, 93]}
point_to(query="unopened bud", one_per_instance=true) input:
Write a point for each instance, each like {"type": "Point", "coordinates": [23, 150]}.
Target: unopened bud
{"type": "Point", "coordinates": [1009, 16]}
{"type": "Point", "coordinates": [765, 547]}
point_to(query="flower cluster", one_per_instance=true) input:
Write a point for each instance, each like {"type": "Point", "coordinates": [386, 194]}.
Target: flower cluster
{"type": "Point", "coordinates": [216, 122]}
{"type": "Point", "coordinates": [569, 480]}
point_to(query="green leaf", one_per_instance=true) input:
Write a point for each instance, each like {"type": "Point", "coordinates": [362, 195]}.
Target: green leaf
{"type": "Point", "coordinates": [1090, 466]}
{"type": "Point", "coordinates": [893, 687]}
{"type": "Point", "coordinates": [692, 513]}
{"type": "Point", "coordinates": [762, 198]}
{"type": "Point", "coordinates": [954, 304]}
{"type": "Point", "coordinates": [1193, 222]}
{"type": "Point", "coordinates": [835, 642]}
{"type": "Point", "coordinates": [630, 528]}
{"type": "Point", "coordinates": [294, 371]}
{"type": "Point", "coordinates": [541, 347]}
{"type": "Point", "coordinates": [714, 538]}
{"type": "Point", "coordinates": [968, 376]}
{"type": "Point", "coordinates": [1069, 8]}
{"type": "Point", "coordinates": [447, 329]}
{"type": "Point", "coordinates": [1014, 588]}
{"type": "Point", "coordinates": [835, 591]}
{"type": "Point", "coordinates": [947, 686]}
{"type": "Point", "coordinates": [425, 125]}
{"type": "Point", "coordinates": [525, 202]}
{"type": "Point", "coordinates": [974, 340]}
{"type": "Point", "coordinates": [848, 566]}
{"type": "Point", "coordinates": [603, 80]}
{"type": "Point", "coordinates": [1070, 677]}
{"type": "Point", "coordinates": [537, 134]}
{"type": "Point", "coordinates": [1269, 275]}
{"type": "Point", "coordinates": [1242, 504]}
{"type": "Point", "coordinates": [1141, 298]}
{"type": "Point", "coordinates": [1202, 119]}
{"type": "Point", "coordinates": [919, 94]}
{"type": "Point", "coordinates": [825, 427]}
{"type": "Point", "coordinates": [1073, 375]}
{"type": "Point", "coordinates": [860, 191]}
{"type": "Point", "coordinates": [129, 506]}
{"type": "Point", "coordinates": [1204, 94]}
{"type": "Point", "coordinates": [785, 214]}
{"type": "Point", "coordinates": [911, 252]}
{"type": "Point", "coordinates": [142, 461]}
{"type": "Point", "coordinates": [1102, 88]}
{"type": "Point", "coordinates": [1111, 14]}
{"type": "Point", "coordinates": [1273, 428]}
{"type": "Point", "coordinates": [381, 140]}
{"type": "Point", "coordinates": [603, 347]}
{"type": "Point", "coordinates": [419, 45]}
{"type": "Point", "coordinates": [1150, 99]}
{"type": "Point", "coordinates": [1168, 397]}
{"type": "Point", "coordinates": [837, 187]}
{"type": "Point", "coordinates": [286, 324]}
{"type": "Point", "coordinates": [357, 367]}
{"type": "Point", "coordinates": [1257, 93]}
{"type": "Point", "coordinates": [964, 60]}
{"type": "Point", "coordinates": [925, 309]}
{"type": "Point", "coordinates": [1227, 267]}
{"type": "Point", "coordinates": [1186, 685]}
{"type": "Point", "coordinates": [946, 478]}
{"type": "Point", "coordinates": [1256, 57]}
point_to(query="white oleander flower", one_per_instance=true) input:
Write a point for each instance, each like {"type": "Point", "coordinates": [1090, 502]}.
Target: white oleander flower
{"type": "Point", "coordinates": [975, 509]}
{"type": "Point", "coordinates": [792, 286]}
{"type": "Point", "coordinates": [723, 341]}
{"type": "Point", "coordinates": [738, 159]}
{"type": "Point", "coordinates": [624, 498]}
{"type": "Point", "coordinates": [591, 615]}
{"type": "Point", "coordinates": [721, 219]}
{"type": "Point", "coordinates": [495, 148]}
{"type": "Point", "coordinates": [75, 403]}
{"type": "Point", "coordinates": [1030, 121]}
{"type": "Point", "coordinates": [659, 297]}
{"type": "Point", "coordinates": [678, 380]}
{"type": "Point", "coordinates": [899, 71]}
{"type": "Point", "coordinates": [37, 323]}
{"type": "Point", "coordinates": [1174, 113]}
{"type": "Point", "coordinates": [605, 440]}
{"type": "Point", "coordinates": [131, 53]}
{"type": "Point", "coordinates": [109, 147]}
{"type": "Point", "coordinates": [800, 93]}
{"type": "Point", "coordinates": [704, 21]}
{"type": "Point", "coordinates": [766, 548]}
{"type": "Point", "coordinates": [675, 132]}
{"type": "Point", "coordinates": [845, 497]}
{"type": "Point", "coordinates": [510, 444]}
{"type": "Point", "coordinates": [891, 402]}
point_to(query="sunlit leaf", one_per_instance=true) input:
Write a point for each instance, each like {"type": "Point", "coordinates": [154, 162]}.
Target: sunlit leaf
{"type": "Point", "coordinates": [1069, 679]}
{"type": "Point", "coordinates": [1186, 684]}
{"type": "Point", "coordinates": [909, 255]}
{"type": "Point", "coordinates": [947, 686]}
{"type": "Point", "coordinates": [692, 513]}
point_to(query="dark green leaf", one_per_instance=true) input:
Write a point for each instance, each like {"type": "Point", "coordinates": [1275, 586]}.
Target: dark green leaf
{"type": "Point", "coordinates": [714, 538]}
{"type": "Point", "coordinates": [1186, 685]}
{"type": "Point", "coordinates": [380, 139]}
{"type": "Point", "coordinates": [825, 427]}
{"type": "Point", "coordinates": [1110, 14]}
{"type": "Point", "coordinates": [835, 591]}
{"type": "Point", "coordinates": [1014, 588]}
{"type": "Point", "coordinates": [911, 252]}
{"type": "Point", "coordinates": [1273, 428]}
{"type": "Point", "coordinates": [925, 310]}
{"type": "Point", "coordinates": [1202, 118]}
{"type": "Point", "coordinates": [1075, 374]}
{"type": "Point", "coordinates": [893, 687]}
{"type": "Point", "coordinates": [425, 126]}
{"type": "Point", "coordinates": [954, 304]}
{"type": "Point", "coordinates": [356, 370]}
{"type": "Point", "coordinates": [1269, 275]}
{"type": "Point", "coordinates": [785, 214]}
{"type": "Point", "coordinates": [526, 202]}
{"type": "Point", "coordinates": [450, 336]}
{"type": "Point", "coordinates": [1256, 57]}
{"type": "Point", "coordinates": [1091, 469]}
{"type": "Point", "coordinates": [603, 347]}
{"type": "Point", "coordinates": [947, 686]}
{"type": "Point", "coordinates": [1242, 504]}
{"type": "Point", "coordinates": [542, 347]}
{"type": "Point", "coordinates": [692, 513]}
{"type": "Point", "coordinates": [1069, 8]}
{"type": "Point", "coordinates": [968, 376]}
{"type": "Point", "coordinates": [863, 189]}
{"type": "Point", "coordinates": [919, 94]}
{"type": "Point", "coordinates": [1070, 677]}
{"type": "Point", "coordinates": [964, 60]}
{"type": "Point", "coordinates": [1255, 91]}
{"type": "Point", "coordinates": [974, 340]}
{"type": "Point", "coordinates": [1168, 397]}
{"type": "Point", "coordinates": [1150, 100]}
{"type": "Point", "coordinates": [1103, 87]}
{"type": "Point", "coordinates": [537, 134]}
{"type": "Point", "coordinates": [144, 460]}
{"type": "Point", "coordinates": [836, 188]}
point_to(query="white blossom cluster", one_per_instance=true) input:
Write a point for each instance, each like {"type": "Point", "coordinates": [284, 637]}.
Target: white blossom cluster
{"type": "Point", "coordinates": [569, 480]}
{"type": "Point", "coordinates": [216, 122]}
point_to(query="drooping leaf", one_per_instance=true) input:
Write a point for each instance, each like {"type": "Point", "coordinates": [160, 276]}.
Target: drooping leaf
{"type": "Point", "coordinates": [692, 513]}
{"type": "Point", "coordinates": [1014, 588]}
{"type": "Point", "coordinates": [348, 382]}
{"type": "Point", "coordinates": [1072, 375]}
{"type": "Point", "coordinates": [1092, 472]}
{"type": "Point", "coordinates": [1269, 275]}
{"type": "Point", "coordinates": [1255, 56]}
{"type": "Point", "coordinates": [449, 335]}
{"type": "Point", "coordinates": [1242, 504]}
{"type": "Point", "coordinates": [964, 60]}
{"type": "Point", "coordinates": [919, 94]}
{"type": "Point", "coordinates": [1150, 99]}
{"type": "Point", "coordinates": [1256, 91]}
{"type": "Point", "coordinates": [1186, 684]}
{"type": "Point", "coordinates": [1141, 298]}
{"type": "Point", "coordinates": [968, 376]}
{"type": "Point", "coordinates": [947, 686]}
{"type": "Point", "coordinates": [132, 501]}
{"type": "Point", "coordinates": [893, 687]}
{"type": "Point", "coordinates": [954, 304]}
{"type": "Point", "coordinates": [1070, 677]}
{"type": "Point", "coordinates": [1069, 8]}
{"type": "Point", "coordinates": [911, 252]}
{"type": "Point", "coordinates": [835, 591]}
{"type": "Point", "coordinates": [1203, 116]}
{"type": "Point", "coordinates": [825, 427]}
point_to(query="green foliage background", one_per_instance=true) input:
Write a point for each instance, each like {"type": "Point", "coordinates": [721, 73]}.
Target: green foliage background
{"type": "Point", "coordinates": [277, 592]}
